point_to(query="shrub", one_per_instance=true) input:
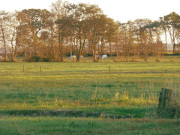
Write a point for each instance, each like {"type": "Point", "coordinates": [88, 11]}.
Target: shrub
{"type": "Point", "coordinates": [37, 59]}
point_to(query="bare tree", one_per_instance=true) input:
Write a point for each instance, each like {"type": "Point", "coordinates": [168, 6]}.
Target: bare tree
{"type": "Point", "coordinates": [58, 11]}
{"type": "Point", "coordinates": [12, 35]}
{"type": "Point", "coordinates": [173, 25]}
{"type": "Point", "coordinates": [4, 19]}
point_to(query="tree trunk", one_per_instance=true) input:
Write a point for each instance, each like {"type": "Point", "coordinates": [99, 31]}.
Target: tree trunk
{"type": "Point", "coordinates": [110, 47]}
{"type": "Point", "coordinates": [78, 56]}
{"type": "Point", "coordinates": [5, 48]}
{"type": "Point", "coordinates": [166, 40]}
{"type": "Point", "coordinates": [12, 53]}
{"type": "Point", "coordinates": [174, 48]}
{"type": "Point", "coordinates": [60, 47]}
{"type": "Point", "coordinates": [15, 53]}
{"type": "Point", "coordinates": [102, 49]}
{"type": "Point", "coordinates": [79, 52]}
{"type": "Point", "coordinates": [145, 57]}
{"type": "Point", "coordinates": [53, 52]}
{"type": "Point", "coordinates": [94, 55]}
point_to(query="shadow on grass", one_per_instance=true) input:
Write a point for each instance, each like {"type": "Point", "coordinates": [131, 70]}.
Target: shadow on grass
{"type": "Point", "coordinates": [117, 113]}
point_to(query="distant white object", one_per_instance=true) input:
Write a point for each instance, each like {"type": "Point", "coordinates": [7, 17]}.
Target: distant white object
{"type": "Point", "coordinates": [104, 56]}
{"type": "Point", "coordinates": [73, 57]}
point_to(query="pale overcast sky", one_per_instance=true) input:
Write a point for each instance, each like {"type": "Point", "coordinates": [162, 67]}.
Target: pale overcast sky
{"type": "Point", "coordinates": [121, 10]}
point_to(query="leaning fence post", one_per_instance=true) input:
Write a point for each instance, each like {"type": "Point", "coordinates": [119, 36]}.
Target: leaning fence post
{"type": "Point", "coordinates": [164, 99]}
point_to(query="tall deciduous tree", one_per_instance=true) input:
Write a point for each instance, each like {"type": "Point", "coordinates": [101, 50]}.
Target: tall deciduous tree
{"type": "Point", "coordinates": [58, 13]}
{"type": "Point", "coordinates": [142, 36]}
{"type": "Point", "coordinates": [31, 23]}
{"type": "Point", "coordinates": [4, 20]}
{"type": "Point", "coordinates": [12, 35]}
{"type": "Point", "coordinates": [82, 26]}
{"type": "Point", "coordinates": [173, 25]}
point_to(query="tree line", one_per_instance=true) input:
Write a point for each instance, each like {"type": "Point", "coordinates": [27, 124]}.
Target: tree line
{"type": "Point", "coordinates": [81, 30]}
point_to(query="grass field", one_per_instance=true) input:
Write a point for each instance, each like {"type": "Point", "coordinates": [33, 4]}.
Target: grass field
{"type": "Point", "coordinates": [92, 96]}
{"type": "Point", "coordinates": [86, 126]}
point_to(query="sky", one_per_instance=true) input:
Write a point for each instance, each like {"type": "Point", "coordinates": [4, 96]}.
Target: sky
{"type": "Point", "coordinates": [119, 10]}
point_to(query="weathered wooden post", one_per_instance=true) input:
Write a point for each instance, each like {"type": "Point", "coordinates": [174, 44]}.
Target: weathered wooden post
{"type": "Point", "coordinates": [169, 106]}
{"type": "Point", "coordinates": [164, 99]}
{"type": "Point", "coordinates": [164, 108]}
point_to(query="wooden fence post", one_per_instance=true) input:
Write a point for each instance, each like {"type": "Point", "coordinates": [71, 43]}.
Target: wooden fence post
{"type": "Point", "coordinates": [164, 99]}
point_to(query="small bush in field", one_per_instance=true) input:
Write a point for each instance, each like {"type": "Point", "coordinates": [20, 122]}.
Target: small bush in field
{"type": "Point", "coordinates": [37, 59]}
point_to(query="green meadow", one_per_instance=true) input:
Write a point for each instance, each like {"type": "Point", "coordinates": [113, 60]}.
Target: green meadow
{"type": "Point", "coordinates": [86, 98]}
{"type": "Point", "coordinates": [86, 126]}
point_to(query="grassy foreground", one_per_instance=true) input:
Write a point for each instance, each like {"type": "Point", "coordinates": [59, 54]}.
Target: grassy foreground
{"type": "Point", "coordinates": [86, 126]}
{"type": "Point", "coordinates": [86, 98]}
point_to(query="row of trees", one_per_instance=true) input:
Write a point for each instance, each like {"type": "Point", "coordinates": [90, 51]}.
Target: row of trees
{"type": "Point", "coordinates": [83, 29]}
